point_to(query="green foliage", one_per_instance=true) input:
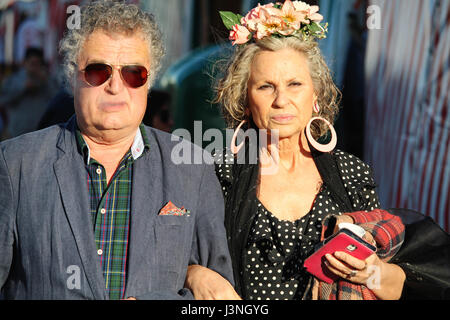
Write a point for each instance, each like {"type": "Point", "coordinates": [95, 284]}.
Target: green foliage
{"type": "Point", "coordinates": [230, 19]}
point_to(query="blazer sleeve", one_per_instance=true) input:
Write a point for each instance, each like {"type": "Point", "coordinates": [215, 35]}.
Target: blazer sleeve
{"type": "Point", "coordinates": [6, 220]}
{"type": "Point", "coordinates": [209, 247]}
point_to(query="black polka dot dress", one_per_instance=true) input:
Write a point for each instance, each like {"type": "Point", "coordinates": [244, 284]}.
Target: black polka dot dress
{"type": "Point", "coordinates": [276, 249]}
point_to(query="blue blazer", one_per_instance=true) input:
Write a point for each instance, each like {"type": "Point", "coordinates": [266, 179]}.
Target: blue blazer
{"type": "Point", "coordinates": [47, 248]}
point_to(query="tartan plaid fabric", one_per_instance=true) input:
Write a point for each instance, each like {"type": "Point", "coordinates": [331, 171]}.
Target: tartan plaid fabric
{"type": "Point", "coordinates": [110, 206]}
{"type": "Point", "coordinates": [110, 211]}
{"type": "Point", "coordinates": [388, 232]}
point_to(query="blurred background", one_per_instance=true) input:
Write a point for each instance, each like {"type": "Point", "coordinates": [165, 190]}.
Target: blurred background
{"type": "Point", "coordinates": [390, 59]}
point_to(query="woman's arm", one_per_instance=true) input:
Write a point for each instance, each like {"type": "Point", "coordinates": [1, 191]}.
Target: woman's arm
{"type": "Point", "coordinates": [207, 284]}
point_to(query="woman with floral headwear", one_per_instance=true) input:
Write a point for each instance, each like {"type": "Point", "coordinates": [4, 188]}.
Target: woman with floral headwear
{"type": "Point", "coordinates": [279, 206]}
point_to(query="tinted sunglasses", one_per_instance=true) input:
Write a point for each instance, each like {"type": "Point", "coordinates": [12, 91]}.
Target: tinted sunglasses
{"type": "Point", "coordinates": [96, 74]}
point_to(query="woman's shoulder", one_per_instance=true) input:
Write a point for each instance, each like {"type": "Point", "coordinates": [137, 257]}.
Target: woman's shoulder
{"type": "Point", "coordinates": [358, 180]}
{"type": "Point", "coordinates": [352, 167]}
{"type": "Point", "coordinates": [340, 154]}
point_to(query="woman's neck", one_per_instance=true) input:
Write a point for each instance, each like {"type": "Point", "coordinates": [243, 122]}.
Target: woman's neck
{"type": "Point", "coordinates": [290, 152]}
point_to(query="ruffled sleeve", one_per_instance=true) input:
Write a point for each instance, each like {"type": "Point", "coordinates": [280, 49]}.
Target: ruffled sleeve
{"type": "Point", "coordinates": [358, 181]}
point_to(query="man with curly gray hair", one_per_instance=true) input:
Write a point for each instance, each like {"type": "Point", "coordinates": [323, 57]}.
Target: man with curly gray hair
{"type": "Point", "coordinates": [96, 208]}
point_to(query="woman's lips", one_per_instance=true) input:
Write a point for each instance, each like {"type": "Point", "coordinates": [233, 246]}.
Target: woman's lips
{"type": "Point", "coordinates": [283, 118]}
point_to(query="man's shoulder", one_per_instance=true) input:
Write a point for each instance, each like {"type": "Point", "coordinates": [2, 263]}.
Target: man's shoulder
{"type": "Point", "coordinates": [33, 142]}
{"type": "Point", "coordinates": [161, 136]}
{"type": "Point", "coordinates": [181, 150]}
{"type": "Point", "coordinates": [166, 138]}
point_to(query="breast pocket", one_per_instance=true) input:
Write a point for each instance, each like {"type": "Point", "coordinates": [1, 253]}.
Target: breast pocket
{"type": "Point", "coordinates": [173, 238]}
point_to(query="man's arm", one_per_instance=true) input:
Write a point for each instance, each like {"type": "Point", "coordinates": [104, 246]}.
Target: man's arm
{"type": "Point", "coordinates": [210, 274]}
{"type": "Point", "coordinates": [6, 221]}
{"type": "Point", "coordinates": [209, 247]}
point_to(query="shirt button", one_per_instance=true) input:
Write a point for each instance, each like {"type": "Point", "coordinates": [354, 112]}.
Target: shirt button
{"type": "Point", "coordinates": [103, 211]}
{"type": "Point", "coordinates": [99, 171]}
{"type": "Point", "coordinates": [99, 252]}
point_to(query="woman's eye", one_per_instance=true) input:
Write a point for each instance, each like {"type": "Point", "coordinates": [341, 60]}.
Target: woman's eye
{"type": "Point", "coordinates": [295, 84]}
{"type": "Point", "coordinates": [264, 87]}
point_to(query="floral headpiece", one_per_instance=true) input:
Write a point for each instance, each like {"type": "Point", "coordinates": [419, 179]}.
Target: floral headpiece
{"type": "Point", "coordinates": [293, 18]}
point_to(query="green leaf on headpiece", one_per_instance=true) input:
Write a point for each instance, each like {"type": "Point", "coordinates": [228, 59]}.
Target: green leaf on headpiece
{"type": "Point", "coordinates": [314, 28]}
{"type": "Point", "coordinates": [230, 19]}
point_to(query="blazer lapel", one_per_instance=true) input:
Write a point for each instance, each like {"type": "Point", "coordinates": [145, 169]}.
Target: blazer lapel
{"type": "Point", "coordinates": [146, 199]}
{"type": "Point", "coordinates": [69, 170]}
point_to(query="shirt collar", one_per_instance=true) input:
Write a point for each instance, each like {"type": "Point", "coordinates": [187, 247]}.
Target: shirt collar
{"type": "Point", "coordinates": [137, 148]}
{"type": "Point", "coordinates": [140, 144]}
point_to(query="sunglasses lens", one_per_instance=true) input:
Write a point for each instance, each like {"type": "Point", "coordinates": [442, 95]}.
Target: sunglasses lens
{"type": "Point", "coordinates": [135, 76]}
{"type": "Point", "coordinates": [97, 73]}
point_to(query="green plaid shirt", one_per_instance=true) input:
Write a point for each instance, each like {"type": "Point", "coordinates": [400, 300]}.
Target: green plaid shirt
{"type": "Point", "coordinates": [110, 207]}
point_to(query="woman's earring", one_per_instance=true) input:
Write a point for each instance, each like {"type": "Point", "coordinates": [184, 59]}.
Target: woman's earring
{"type": "Point", "coordinates": [235, 149]}
{"type": "Point", "coordinates": [321, 147]}
{"type": "Point", "coordinates": [316, 107]}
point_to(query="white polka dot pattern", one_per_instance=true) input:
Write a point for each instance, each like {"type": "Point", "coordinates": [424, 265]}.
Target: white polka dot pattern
{"type": "Point", "coordinates": [276, 249]}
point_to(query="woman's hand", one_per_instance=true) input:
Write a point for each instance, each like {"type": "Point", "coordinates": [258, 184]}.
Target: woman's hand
{"type": "Point", "coordinates": [207, 284]}
{"type": "Point", "coordinates": [385, 280]}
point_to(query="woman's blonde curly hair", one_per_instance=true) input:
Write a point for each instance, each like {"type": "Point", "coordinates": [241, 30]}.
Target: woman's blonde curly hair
{"type": "Point", "coordinates": [231, 89]}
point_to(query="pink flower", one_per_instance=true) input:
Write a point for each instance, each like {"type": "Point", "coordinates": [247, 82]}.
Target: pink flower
{"type": "Point", "coordinates": [301, 6]}
{"type": "Point", "coordinates": [309, 11]}
{"type": "Point", "coordinates": [250, 24]}
{"type": "Point", "coordinates": [254, 16]}
{"type": "Point", "coordinates": [291, 16]}
{"type": "Point", "coordinates": [255, 12]}
{"type": "Point", "coordinates": [268, 24]}
{"type": "Point", "coordinates": [265, 20]}
{"type": "Point", "coordinates": [239, 34]}
{"type": "Point", "coordinates": [313, 15]}
{"type": "Point", "coordinates": [286, 30]}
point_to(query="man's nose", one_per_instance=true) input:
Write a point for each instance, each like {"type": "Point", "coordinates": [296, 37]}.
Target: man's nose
{"type": "Point", "coordinates": [115, 83]}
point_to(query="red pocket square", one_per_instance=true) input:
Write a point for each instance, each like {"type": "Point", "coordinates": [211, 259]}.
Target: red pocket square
{"type": "Point", "coordinates": [172, 210]}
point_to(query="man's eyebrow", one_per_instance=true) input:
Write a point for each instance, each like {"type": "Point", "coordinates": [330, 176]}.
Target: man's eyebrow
{"type": "Point", "coordinates": [95, 61]}
{"type": "Point", "coordinates": [91, 61]}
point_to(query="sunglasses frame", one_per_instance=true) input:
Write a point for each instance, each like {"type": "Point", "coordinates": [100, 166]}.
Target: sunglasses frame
{"type": "Point", "coordinates": [118, 67]}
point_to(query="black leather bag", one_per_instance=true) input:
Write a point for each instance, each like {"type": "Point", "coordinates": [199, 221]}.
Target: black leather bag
{"type": "Point", "coordinates": [424, 256]}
